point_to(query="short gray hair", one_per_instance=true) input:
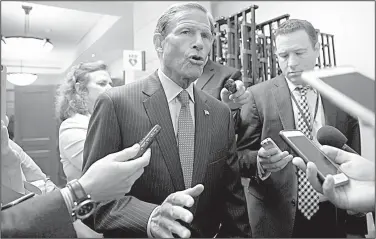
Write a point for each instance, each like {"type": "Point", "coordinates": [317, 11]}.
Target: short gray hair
{"type": "Point", "coordinates": [167, 16]}
{"type": "Point", "coordinates": [293, 25]}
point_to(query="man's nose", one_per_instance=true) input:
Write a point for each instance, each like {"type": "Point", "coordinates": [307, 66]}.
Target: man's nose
{"type": "Point", "coordinates": [198, 42]}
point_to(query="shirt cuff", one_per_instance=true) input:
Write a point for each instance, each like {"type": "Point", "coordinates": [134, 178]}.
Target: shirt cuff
{"type": "Point", "coordinates": [262, 174]}
{"type": "Point", "coordinates": [148, 229]}
{"type": "Point", "coordinates": [68, 199]}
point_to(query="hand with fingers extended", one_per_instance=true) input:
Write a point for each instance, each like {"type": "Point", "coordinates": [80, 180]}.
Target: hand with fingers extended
{"type": "Point", "coordinates": [114, 175]}
{"type": "Point", "coordinates": [163, 220]}
{"type": "Point", "coordinates": [237, 99]}
{"type": "Point", "coordinates": [273, 160]}
{"type": "Point", "coordinates": [359, 194]}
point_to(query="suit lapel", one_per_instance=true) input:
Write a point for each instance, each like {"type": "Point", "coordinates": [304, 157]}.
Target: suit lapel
{"type": "Point", "coordinates": [330, 112]}
{"type": "Point", "coordinates": [282, 96]}
{"type": "Point", "coordinates": [207, 74]}
{"type": "Point", "coordinates": [202, 136]}
{"type": "Point", "coordinates": [156, 107]}
{"type": "Point", "coordinates": [203, 122]}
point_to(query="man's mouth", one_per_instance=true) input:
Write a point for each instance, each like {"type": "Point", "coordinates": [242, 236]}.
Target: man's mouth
{"type": "Point", "coordinates": [197, 60]}
{"type": "Point", "coordinates": [294, 73]}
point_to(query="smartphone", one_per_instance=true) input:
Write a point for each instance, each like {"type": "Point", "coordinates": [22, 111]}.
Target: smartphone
{"type": "Point", "coordinates": [308, 151]}
{"type": "Point", "coordinates": [268, 143]}
{"type": "Point", "coordinates": [17, 201]}
{"type": "Point", "coordinates": [147, 140]}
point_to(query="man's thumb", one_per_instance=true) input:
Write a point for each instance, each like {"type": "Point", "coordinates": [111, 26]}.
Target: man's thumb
{"type": "Point", "coordinates": [126, 154]}
{"type": "Point", "coordinates": [195, 191]}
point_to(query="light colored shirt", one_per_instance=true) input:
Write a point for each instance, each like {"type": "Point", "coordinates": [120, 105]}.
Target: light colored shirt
{"type": "Point", "coordinates": [172, 90]}
{"type": "Point", "coordinates": [316, 122]}
{"type": "Point", "coordinates": [72, 136]}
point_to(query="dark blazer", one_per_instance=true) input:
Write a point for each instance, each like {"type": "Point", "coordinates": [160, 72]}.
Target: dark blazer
{"type": "Point", "coordinates": [42, 216]}
{"type": "Point", "coordinates": [214, 78]}
{"type": "Point", "coordinates": [272, 203]}
{"type": "Point", "coordinates": [122, 117]}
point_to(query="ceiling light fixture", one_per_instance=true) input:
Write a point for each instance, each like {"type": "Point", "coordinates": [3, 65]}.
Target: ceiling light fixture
{"type": "Point", "coordinates": [22, 45]}
{"type": "Point", "coordinates": [25, 45]}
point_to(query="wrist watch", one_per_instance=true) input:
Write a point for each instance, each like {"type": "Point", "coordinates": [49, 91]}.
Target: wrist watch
{"type": "Point", "coordinates": [83, 206]}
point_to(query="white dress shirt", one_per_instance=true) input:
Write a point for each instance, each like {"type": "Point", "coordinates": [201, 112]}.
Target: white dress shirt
{"type": "Point", "coordinates": [172, 90]}
{"type": "Point", "coordinates": [316, 122]}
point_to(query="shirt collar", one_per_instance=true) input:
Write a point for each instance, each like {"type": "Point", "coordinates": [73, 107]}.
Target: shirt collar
{"type": "Point", "coordinates": [293, 86]}
{"type": "Point", "coordinates": [172, 89]}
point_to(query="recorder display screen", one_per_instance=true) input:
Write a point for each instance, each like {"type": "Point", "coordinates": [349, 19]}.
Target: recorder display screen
{"type": "Point", "coordinates": [312, 153]}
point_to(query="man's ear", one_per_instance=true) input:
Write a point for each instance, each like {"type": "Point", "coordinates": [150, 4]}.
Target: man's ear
{"type": "Point", "coordinates": [158, 42]}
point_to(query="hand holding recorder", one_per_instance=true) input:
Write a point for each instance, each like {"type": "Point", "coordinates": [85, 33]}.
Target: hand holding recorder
{"type": "Point", "coordinates": [271, 158]}
{"type": "Point", "coordinates": [359, 194]}
{"type": "Point", "coordinates": [124, 169]}
{"type": "Point", "coordinates": [234, 93]}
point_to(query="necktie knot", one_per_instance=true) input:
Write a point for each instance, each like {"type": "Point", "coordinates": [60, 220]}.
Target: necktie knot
{"type": "Point", "coordinates": [183, 97]}
{"type": "Point", "coordinates": [303, 90]}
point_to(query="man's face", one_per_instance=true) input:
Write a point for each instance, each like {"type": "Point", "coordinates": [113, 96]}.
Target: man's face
{"type": "Point", "coordinates": [295, 54]}
{"type": "Point", "coordinates": [186, 46]}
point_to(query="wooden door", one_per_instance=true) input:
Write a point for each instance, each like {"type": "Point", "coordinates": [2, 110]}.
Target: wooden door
{"type": "Point", "coordinates": [35, 126]}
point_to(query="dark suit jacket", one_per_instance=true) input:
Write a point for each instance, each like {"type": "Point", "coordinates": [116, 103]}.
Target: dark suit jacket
{"type": "Point", "coordinates": [123, 116]}
{"type": "Point", "coordinates": [214, 78]}
{"type": "Point", "coordinates": [43, 216]}
{"type": "Point", "coordinates": [272, 203]}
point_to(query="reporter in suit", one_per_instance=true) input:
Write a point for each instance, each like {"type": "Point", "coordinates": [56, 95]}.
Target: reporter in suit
{"type": "Point", "coordinates": [49, 215]}
{"type": "Point", "coordinates": [213, 80]}
{"type": "Point", "coordinates": [194, 164]}
{"type": "Point", "coordinates": [279, 104]}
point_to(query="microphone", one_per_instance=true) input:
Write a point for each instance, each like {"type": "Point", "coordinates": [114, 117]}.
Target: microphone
{"type": "Point", "coordinates": [328, 135]}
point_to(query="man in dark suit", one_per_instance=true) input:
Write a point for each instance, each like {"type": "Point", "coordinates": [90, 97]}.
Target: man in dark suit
{"type": "Point", "coordinates": [192, 185]}
{"type": "Point", "coordinates": [49, 215]}
{"type": "Point", "coordinates": [275, 197]}
{"type": "Point", "coordinates": [213, 80]}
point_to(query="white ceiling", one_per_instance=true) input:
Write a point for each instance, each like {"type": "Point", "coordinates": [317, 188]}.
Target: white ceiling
{"type": "Point", "coordinates": [77, 29]}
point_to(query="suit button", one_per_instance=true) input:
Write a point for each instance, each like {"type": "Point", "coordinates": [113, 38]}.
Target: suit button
{"type": "Point", "coordinates": [293, 202]}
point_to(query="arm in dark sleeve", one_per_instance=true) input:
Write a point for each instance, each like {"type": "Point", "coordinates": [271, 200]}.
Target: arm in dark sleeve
{"type": "Point", "coordinates": [103, 136]}
{"type": "Point", "coordinates": [249, 138]}
{"type": "Point", "coordinates": [236, 75]}
{"type": "Point", "coordinates": [235, 221]}
{"type": "Point", "coordinates": [42, 216]}
{"type": "Point", "coordinates": [353, 135]}
{"type": "Point", "coordinates": [119, 218]}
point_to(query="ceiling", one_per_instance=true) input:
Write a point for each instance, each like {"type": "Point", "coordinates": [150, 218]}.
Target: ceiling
{"type": "Point", "coordinates": [77, 30]}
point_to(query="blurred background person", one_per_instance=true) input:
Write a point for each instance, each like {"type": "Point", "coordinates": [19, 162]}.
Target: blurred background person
{"type": "Point", "coordinates": [23, 175]}
{"type": "Point", "coordinates": [75, 101]}
{"type": "Point", "coordinates": [51, 215]}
